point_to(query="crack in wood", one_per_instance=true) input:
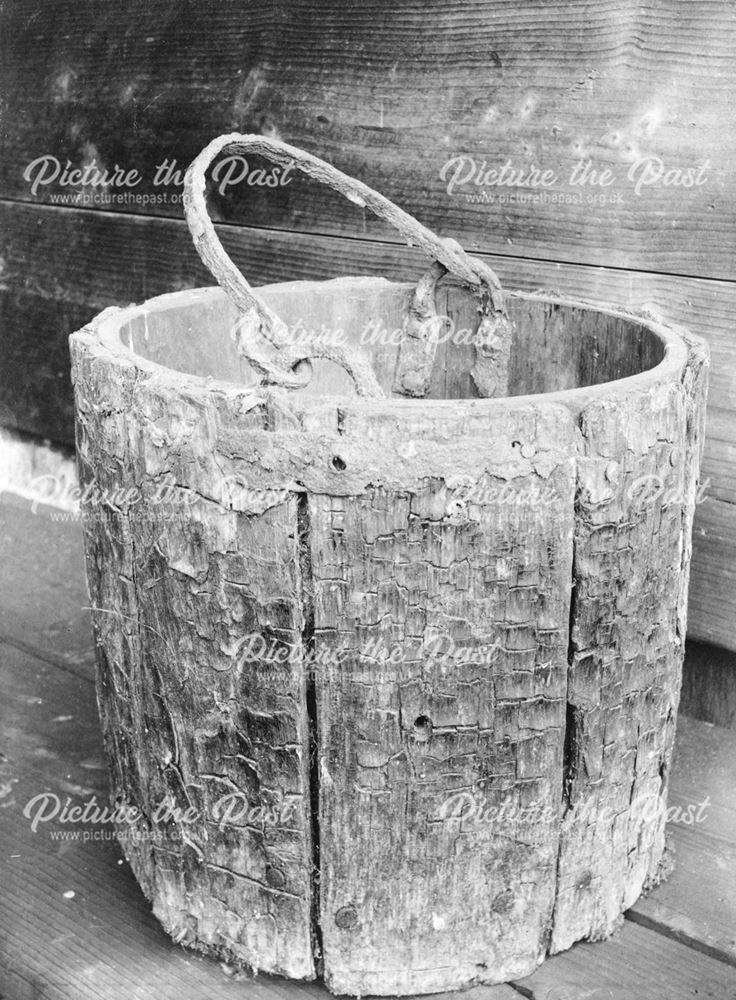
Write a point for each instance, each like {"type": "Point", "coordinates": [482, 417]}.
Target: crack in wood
{"type": "Point", "coordinates": [312, 714]}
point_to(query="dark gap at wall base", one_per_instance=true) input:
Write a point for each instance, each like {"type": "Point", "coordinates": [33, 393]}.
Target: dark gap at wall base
{"type": "Point", "coordinates": [709, 684]}
{"type": "Point", "coordinates": [63, 450]}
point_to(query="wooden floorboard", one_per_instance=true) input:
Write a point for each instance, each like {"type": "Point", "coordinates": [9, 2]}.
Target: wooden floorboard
{"type": "Point", "coordinates": [103, 942]}
{"type": "Point", "coordinates": [697, 902]}
{"type": "Point", "coordinates": [705, 768]}
{"type": "Point", "coordinates": [697, 897]}
{"type": "Point", "coordinates": [43, 591]}
{"type": "Point", "coordinates": [635, 964]}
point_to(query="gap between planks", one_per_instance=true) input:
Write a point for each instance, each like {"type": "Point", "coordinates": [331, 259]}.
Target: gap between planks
{"type": "Point", "coordinates": [140, 218]}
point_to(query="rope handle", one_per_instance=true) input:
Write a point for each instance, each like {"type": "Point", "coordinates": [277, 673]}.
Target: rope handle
{"type": "Point", "coordinates": [256, 316]}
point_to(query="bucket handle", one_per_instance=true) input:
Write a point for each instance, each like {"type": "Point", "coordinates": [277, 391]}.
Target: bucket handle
{"type": "Point", "coordinates": [285, 367]}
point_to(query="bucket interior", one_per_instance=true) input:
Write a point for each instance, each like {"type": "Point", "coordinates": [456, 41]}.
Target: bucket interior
{"type": "Point", "coordinates": [556, 345]}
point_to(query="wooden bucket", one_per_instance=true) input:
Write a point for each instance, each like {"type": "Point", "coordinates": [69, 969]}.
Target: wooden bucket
{"type": "Point", "coordinates": [388, 669]}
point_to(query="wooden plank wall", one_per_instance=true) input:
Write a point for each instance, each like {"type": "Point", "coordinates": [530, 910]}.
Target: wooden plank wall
{"type": "Point", "coordinates": [420, 100]}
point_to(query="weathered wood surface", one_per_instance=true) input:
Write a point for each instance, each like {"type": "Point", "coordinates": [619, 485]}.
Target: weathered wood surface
{"type": "Point", "coordinates": [34, 604]}
{"type": "Point", "coordinates": [106, 939]}
{"type": "Point", "coordinates": [697, 902]}
{"type": "Point", "coordinates": [103, 942]}
{"type": "Point", "coordinates": [392, 96]}
{"type": "Point", "coordinates": [228, 865]}
{"type": "Point", "coordinates": [135, 259]}
{"type": "Point", "coordinates": [638, 963]}
{"type": "Point", "coordinates": [627, 635]}
{"type": "Point", "coordinates": [713, 577]}
{"type": "Point", "coordinates": [442, 707]}
{"type": "Point", "coordinates": [161, 260]}
{"type": "Point", "coordinates": [392, 560]}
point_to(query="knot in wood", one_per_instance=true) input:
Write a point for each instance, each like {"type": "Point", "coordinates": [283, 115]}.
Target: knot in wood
{"type": "Point", "coordinates": [346, 918]}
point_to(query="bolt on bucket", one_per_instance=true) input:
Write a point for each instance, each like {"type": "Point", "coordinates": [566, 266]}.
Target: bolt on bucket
{"type": "Point", "coordinates": [389, 619]}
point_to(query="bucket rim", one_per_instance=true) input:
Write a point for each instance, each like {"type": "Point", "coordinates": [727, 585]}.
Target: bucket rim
{"type": "Point", "coordinates": [104, 331]}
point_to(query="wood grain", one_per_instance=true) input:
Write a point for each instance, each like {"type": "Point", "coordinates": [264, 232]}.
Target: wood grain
{"type": "Point", "coordinates": [86, 948]}
{"type": "Point", "coordinates": [696, 904]}
{"type": "Point", "coordinates": [406, 740]}
{"type": "Point", "coordinates": [57, 619]}
{"type": "Point", "coordinates": [391, 96]}
{"type": "Point", "coordinates": [634, 956]}
{"type": "Point", "coordinates": [134, 259]}
{"type": "Point", "coordinates": [625, 653]}
{"type": "Point", "coordinates": [702, 881]}
{"type": "Point", "coordinates": [105, 938]}
{"type": "Point", "coordinates": [348, 534]}
{"type": "Point", "coordinates": [193, 730]}
{"type": "Point", "coordinates": [713, 579]}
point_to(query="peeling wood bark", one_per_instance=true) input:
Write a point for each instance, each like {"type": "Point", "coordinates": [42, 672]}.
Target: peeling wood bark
{"type": "Point", "coordinates": [341, 531]}
{"type": "Point", "coordinates": [636, 482]}
{"type": "Point", "coordinates": [625, 657]}
{"type": "Point", "coordinates": [191, 727]}
{"type": "Point", "coordinates": [422, 889]}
